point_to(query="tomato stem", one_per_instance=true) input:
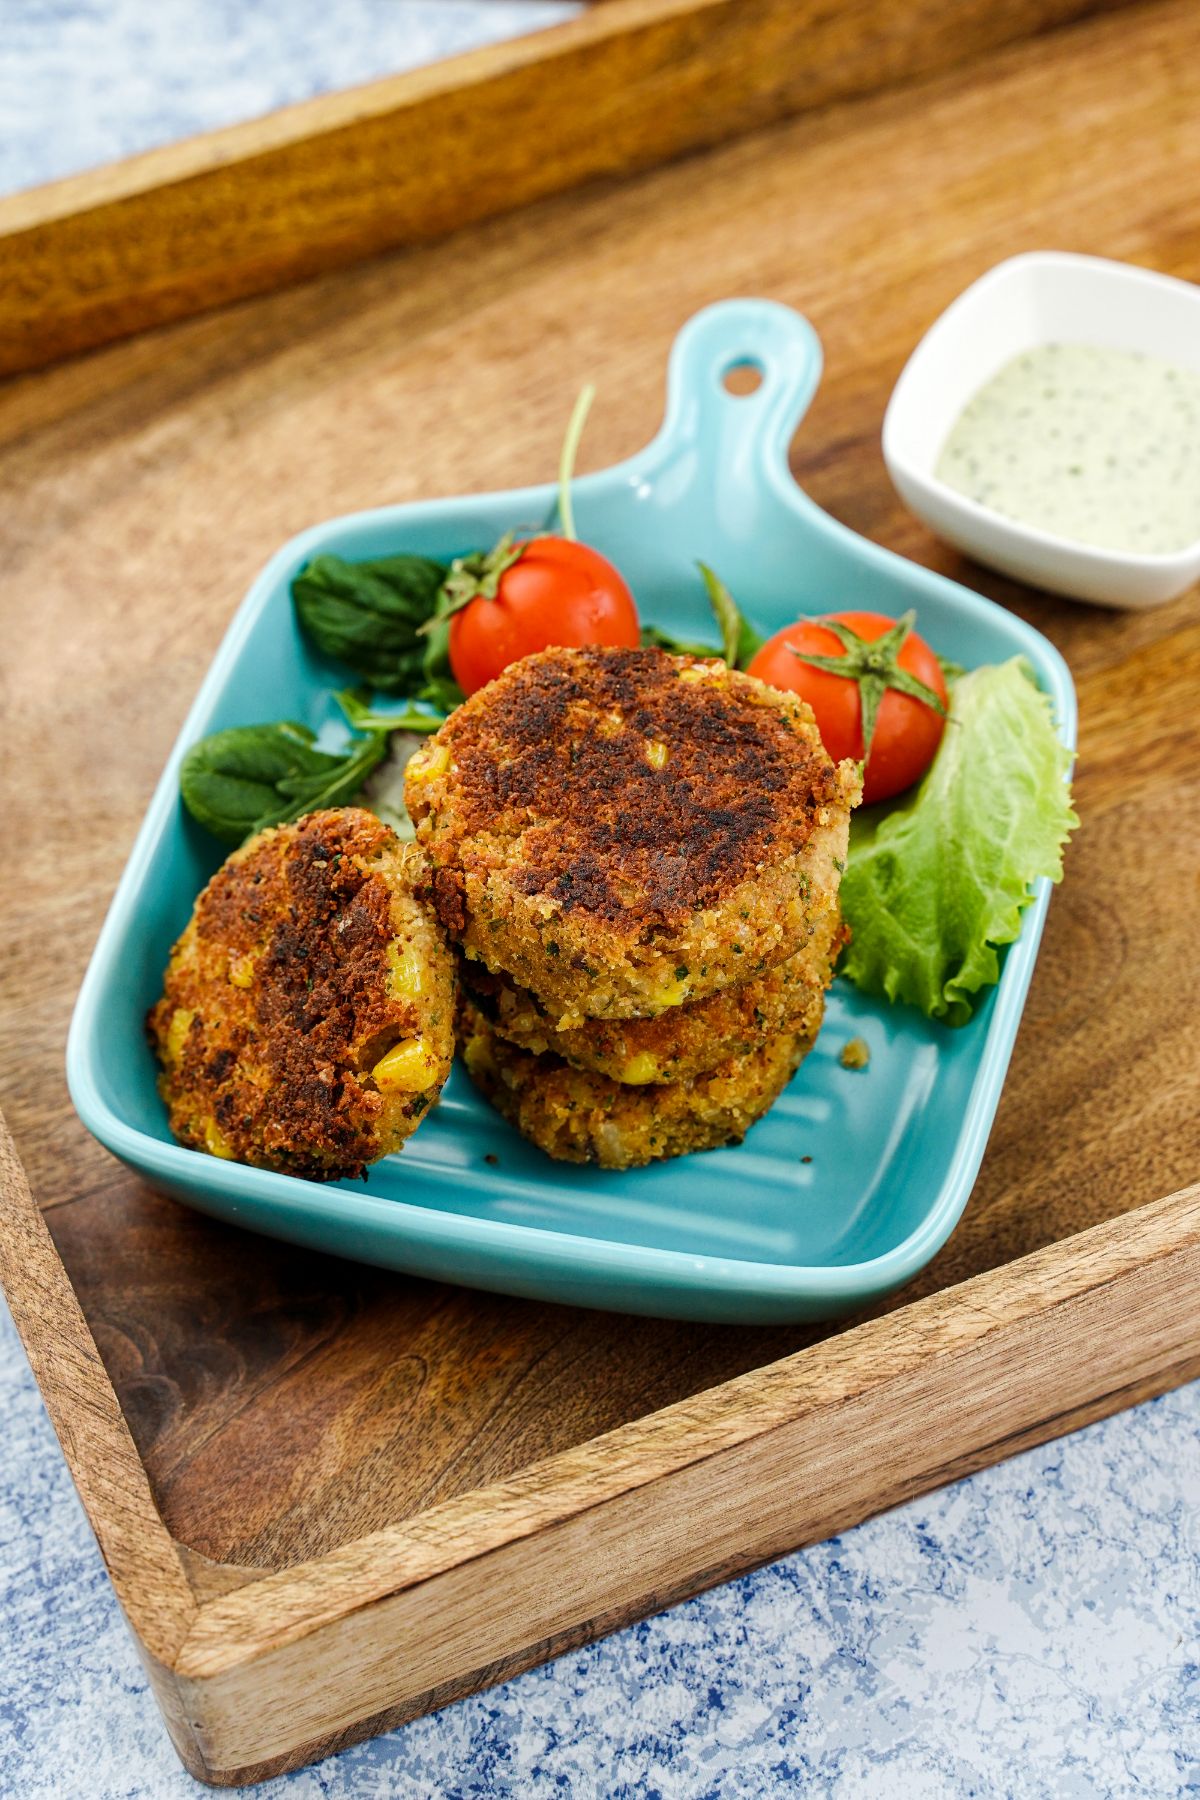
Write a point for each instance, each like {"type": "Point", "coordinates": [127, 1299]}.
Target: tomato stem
{"type": "Point", "coordinates": [566, 461]}
{"type": "Point", "coordinates": [478, 574]}
{"type": "Point", "coordinates": [874, 664]}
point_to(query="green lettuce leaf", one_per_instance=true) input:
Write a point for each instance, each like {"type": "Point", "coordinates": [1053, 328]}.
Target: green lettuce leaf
{"type": "Point", "coordinates": [937, 881]}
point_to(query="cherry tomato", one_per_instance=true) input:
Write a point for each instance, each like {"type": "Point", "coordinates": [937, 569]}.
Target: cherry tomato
{"type": "Point", "coordinates": [556, 592]}
{"type": "Point", "coordinates": [907, 729]}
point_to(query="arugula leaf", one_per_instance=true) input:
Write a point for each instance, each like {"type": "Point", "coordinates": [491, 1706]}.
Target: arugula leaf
{"type": "Point", "coordinates": [361, 717]}
{"type": "Point", "coordinates": [739, 640]}
{"type": "Point", "coordinates": [654, 638]}
{"type": "Point", "coordinates": [239, 781]}
{"type": "Point", "coordinates": [369, 614]}
{"type": "Point", "coordinates": [937, 882]}
{"type": "Point", "coordinates": [442, 692]}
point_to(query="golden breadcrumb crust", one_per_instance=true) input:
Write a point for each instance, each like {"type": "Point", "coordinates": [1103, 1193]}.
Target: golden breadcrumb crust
{"type": "Point", "coordinates": [623, 830]}
{"type": "Point", "coordinates": [576, 1116]}
{"type": "Point", "coordinates": [687, 1040]}
{"type": "Point", "coordinates": [307, 1017]}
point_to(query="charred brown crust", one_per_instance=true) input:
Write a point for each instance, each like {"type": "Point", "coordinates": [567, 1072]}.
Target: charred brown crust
{"type": "Point", "coordinates": [555, 753]}
{"type": "Point", "coordinates": [450, 901]}
{"type": "Point", "coordinates": [282, 980]}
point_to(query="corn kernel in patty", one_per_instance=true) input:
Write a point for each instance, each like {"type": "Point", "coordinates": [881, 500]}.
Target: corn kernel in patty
{"type": "Point", "coordinates": [409, 1067]}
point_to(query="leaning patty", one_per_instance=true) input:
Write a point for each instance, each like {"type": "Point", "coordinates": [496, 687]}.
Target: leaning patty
{"type": "Point", "coordinates": [307, 1018]}
{"type": "Point", "coordinates": [576, 1116]}
{"type": "Point", "coordinates": [624, 830]}
{"type": "Point", "coordinates": [685, 1041]}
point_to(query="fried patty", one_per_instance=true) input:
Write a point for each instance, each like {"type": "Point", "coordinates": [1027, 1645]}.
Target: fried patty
{"type": "Point", "coordinates": [307, 1017]}
{"type": "Point", "coordinates": [575, 1116]}
{"type": "Point", "coordinates": [622, 831]}
{"type": "Point", "coordinates": [688, 1040]}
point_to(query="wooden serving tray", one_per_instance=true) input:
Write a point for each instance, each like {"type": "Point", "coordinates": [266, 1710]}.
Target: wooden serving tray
{"type": "Point", "coordinates": [331, 1497]}
{"type": "Point", "coordinates": [404, 160]}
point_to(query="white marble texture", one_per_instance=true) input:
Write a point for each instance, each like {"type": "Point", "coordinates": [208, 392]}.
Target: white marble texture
{"type": "Point", "coordinates": [1033, 1631]}
{"type": "Point", "coordinates": [85, 81]}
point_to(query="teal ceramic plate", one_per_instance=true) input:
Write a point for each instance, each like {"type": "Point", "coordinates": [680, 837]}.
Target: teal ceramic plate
{"type": "Point", "coordinates": [758, 1233]}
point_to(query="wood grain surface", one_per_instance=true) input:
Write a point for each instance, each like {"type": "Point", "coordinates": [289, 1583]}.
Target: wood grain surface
{"type": "Point", "coordinates": [272, 1672]}
{"type": "Point", "coordinates": [138, 1553]}
{"type": "Point", "coordinates": [285, 1405]}
{"type": "Point", "coordinates": [698, 1493]}
{"type": "Point", "coordinates": [145, 487]}
{"type": "Point", "coordinates": [412, 157]}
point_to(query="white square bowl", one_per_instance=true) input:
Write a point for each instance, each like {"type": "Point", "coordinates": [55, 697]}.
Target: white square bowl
{"type": "Point", "coordinates": [1044, 296]}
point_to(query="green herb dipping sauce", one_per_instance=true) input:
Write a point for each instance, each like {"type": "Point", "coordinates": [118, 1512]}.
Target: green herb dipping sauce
{"type": "Point", "coordinates": [1098, 445]}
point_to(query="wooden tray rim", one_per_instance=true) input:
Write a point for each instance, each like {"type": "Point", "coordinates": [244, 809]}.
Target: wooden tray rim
{"type": "Point", "coordinates": [183, 227]}
{"type": "Point", "coordinates": [1093, 1321]}
{"type": "Point", "coordinates": [199, 1639]}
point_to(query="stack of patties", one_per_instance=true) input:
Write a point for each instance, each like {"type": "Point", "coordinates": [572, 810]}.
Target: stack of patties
{"type": "Point", "coordinates": [639, 857]}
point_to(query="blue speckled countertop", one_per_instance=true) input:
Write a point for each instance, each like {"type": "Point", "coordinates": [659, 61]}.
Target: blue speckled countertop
{"type": "Point", "coordinates": [85, 81]}
{"type": "Point", "coordinates": [1033, 1631]}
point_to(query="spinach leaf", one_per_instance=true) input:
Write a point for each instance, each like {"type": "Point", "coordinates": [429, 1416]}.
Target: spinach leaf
{"type": "Point", "coordinates": [368, 615]}
{"type": "Point", "coordinates": [239, 781]}
{"type": "Point", "coordinates": [439, 687]}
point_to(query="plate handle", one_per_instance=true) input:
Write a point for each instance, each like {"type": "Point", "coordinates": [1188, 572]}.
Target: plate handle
{"type": "Point", "coordinates": [740, 432]}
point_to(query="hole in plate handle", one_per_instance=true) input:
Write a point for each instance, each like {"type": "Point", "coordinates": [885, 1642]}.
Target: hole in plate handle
{"type": "Point", "coordinates": [742, 377]}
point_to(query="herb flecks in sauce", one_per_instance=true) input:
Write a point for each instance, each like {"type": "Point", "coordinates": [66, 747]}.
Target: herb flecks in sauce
{"type": "Point", "coordinates": [1102, 446]}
